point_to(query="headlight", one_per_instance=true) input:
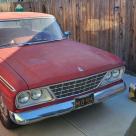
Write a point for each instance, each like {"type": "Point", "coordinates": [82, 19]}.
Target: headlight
{"type": "Point", "coordinates": [33, 97]}
{"type": "Point", "coordinates": [36, 94]}
{"type": "Point", "coordinates": [113, 76]}
{"type": "Point", "coordinates": [23, 98]}
{"type": "Point", "coordinates": [116, 73]}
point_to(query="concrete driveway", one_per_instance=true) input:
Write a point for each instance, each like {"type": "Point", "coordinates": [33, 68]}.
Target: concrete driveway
{"type": "Point", "coordinates": [111, 118]}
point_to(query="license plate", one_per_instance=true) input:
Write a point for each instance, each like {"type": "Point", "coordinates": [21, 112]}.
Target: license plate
{"type": "Point", "coordinates": [84, 101]}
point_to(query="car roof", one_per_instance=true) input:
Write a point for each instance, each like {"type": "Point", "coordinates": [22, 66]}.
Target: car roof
{"type": "Point", "coordinates": [22, 15]}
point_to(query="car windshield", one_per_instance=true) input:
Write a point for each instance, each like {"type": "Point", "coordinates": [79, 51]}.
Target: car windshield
{"type": "Point", "coordinates": [28, 31]}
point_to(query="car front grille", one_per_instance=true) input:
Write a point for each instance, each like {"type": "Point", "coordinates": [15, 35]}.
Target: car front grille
{"type": "Point", "coordinates": [77, 86]}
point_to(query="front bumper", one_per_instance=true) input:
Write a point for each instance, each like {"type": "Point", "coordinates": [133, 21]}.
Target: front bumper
{"type": "Point", "coordinates": [61, 108]}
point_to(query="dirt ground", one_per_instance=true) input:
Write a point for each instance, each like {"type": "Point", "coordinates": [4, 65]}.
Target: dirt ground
{"type": "Point", "coordinates": [111, 118]}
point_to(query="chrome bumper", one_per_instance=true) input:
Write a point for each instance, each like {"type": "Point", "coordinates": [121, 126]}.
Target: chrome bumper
{"type": "Point", "coordinates": [61, 108]}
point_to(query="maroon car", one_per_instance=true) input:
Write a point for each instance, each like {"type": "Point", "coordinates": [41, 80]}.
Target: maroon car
{"type": "Point", "coordinates": [44, 74]}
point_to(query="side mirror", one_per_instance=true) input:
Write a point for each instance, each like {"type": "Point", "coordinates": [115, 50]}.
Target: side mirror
{"type": "Point", "coordinates": [67, 34]}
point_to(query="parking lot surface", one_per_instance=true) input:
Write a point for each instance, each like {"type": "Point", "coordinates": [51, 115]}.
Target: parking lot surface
{"type": "Point", "coordinates": [110, 118]}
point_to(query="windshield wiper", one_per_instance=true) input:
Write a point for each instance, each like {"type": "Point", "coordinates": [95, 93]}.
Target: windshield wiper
{"type": "Point", "coordinates": [40, 41]}
{"type": "Point", "coordinates": [33, 42]}
{"type": "Point", "coordinates": [29, 43]}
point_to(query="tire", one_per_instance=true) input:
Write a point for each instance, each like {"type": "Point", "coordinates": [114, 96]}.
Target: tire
{"type": "Point", "coordinates": [4, 116]}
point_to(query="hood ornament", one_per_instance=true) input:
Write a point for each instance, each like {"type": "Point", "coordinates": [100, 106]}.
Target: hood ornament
{"type": "Point", "coordinates": [80, 69]}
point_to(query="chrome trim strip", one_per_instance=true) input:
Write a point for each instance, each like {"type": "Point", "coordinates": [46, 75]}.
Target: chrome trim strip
{"type": "Point", "coordinates": [9, 86]}
{"type": "Point", "coordinates": [78, 78]}
{"type": "Point", "coordinates": [62, 108]}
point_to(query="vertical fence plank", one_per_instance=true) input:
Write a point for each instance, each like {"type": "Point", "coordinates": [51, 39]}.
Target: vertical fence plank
{"type": "Point", "coordinates": [132, 35]}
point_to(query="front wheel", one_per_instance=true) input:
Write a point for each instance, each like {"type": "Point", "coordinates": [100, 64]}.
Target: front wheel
{"type": "Point", "coordinates": [4, 116]}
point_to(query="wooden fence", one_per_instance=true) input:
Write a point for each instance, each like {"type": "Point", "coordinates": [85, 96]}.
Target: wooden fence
{"type": "Point", "coordinates": [106, 24]}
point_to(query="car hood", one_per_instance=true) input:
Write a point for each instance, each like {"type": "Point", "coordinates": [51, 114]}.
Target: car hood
{"type": "Point", "coordinates": [43, 64]}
